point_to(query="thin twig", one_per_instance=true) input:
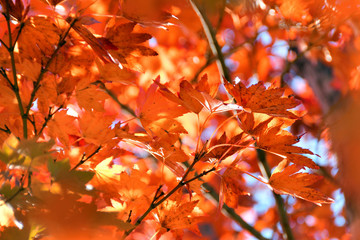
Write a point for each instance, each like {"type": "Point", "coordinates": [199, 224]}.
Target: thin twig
{"type": "Point", "coordinates": [155, 203]}
{"type": "Point", "coordinates": [3, 73]}
{"type": "Point", "coordinates": [6, 129]}
{"type": "Point", "coordinates": [47, 118]}
{"type": "Point", "coordinates": [230, 211]}
{"type": "Point", "coordinates": [83, 159]}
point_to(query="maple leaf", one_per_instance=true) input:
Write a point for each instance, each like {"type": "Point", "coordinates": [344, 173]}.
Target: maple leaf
{"type": "Point", "coordinates": [296, 10]}
{"type": "Point", "coordinates": [232, 187]}
{"type": "Point", "coordinates": [38, 38]}
{"type": "Point", "coordinates": [127, 43]}
{"type": "Point", "coordinates": [150, 12]}
{"type": "Point", "coordinates": [175, 215]}
{"type": "Point", "coordinates": [46, 95]}
{"type": "Point", "coordinates": [157, 114]}
{"type": "Point", "coordinates": [162, 149]}
{"type": "Point", "coordinates": [278, 141]}
{"type": "Point", "coordinates": [79, 218]}
{"type": "Point", "coordinates": [95, 128]}
{"type": "Point", "coordinates": [27, 152]}
{"type": "Point", "coordinates": [135, 191]}
{"type": "Point", "coordinates": [107, 177]}
{"type": "Point", "coordinates": [224, 147]}
{"type": "Point", "coordinates": [95, 43]}
{"type": "Point", "coordinates": [194, 100]}
{"type": "Point", "coordinates": [257, 98]}
{"type": "Point", "coordinates": [91, 98]}
{"type": "Point", "coordinates": [170, 155]}
{"type": "Point", "coordinates": [61, 126]}
{"type": "Point", "coordinates": [287, 180]}
{"type": "Point", "coordinates": [30, 69]}
{"type": "Point", "coordinates": [110, 72]}
{"type": "Point", "coordinates": [61, 172]}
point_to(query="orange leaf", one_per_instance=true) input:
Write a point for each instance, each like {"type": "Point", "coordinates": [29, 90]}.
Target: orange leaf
{"type": "Point", "coordinates": [233, 186]}
{"type": "Point", "coordinates": [111, 72]}
{"type": "Point", "coordinates": [194, 100]}
{"type": "Point", "coordinates": [157, 114]}
{"type": "Point", "coordinates": [91, 98]}
{"type": "Point", "coordinates": [106, 178]}
{"type": "Point", "coordinates": [95, 128]}
{"type": "Point", "coordinates": [290, 181]}
{"type": "Point", "coordinates": [223, 147]}
{"type": "Point", "coordinates": [17, 10]}
{"type": "Point", "coordinates": [46, 94]}
{"type": "Point", "coordinates": [126, 42]}
{"type": "Point", "coordinates": [93, 41]}
{"type": "Point", "coordinates": [259, 99]}
{"type": "Point", "coordinates": [278, 141]}
{"type": "Point", "coordinates": [135, 191]}
{"type": "Point", "coordinates": [38, 38]}
{"type": "Point", "coordinates": [61, 126]}
{"type": "Point", "coordinates": [175, 215]}
{"type": "Point", "coordinates": [149, 13]}
{"type": "Point", "coordinates": [296, 10]}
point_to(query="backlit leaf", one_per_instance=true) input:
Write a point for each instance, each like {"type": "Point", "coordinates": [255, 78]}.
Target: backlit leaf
{"type": "Point", "coordinates": [298, 184]}
{"type": "Point", "coordinates": [257, 98]}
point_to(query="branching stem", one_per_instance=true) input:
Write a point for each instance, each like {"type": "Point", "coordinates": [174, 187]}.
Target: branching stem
{"type": "Point", "coordinates": [157, 200]}
{"type": "Point", "coordinates": [84, 159]}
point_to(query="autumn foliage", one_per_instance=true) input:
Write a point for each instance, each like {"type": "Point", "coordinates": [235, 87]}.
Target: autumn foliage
{"type": "Point", "coordinates": [187, 119]}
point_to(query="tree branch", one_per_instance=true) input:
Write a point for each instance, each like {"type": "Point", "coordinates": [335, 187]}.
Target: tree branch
{"type": "Point", "coordinates": [233, 215]}
{"type": "Point", "coordinates": [45, 69]}
{"type": "Point", "coordinates": [14, 85]}
{"type": "Point", "coordinates": [266, 172]}
{"type": "Point", "coordinates": [214, 44]}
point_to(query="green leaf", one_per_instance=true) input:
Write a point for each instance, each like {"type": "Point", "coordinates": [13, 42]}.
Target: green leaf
{"type": "Point", "coordinates": [6, 191]}
{"type": "Point", "coordinates": [61, 173]}
{"type": "Point", "coordinates": [14, 233]}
